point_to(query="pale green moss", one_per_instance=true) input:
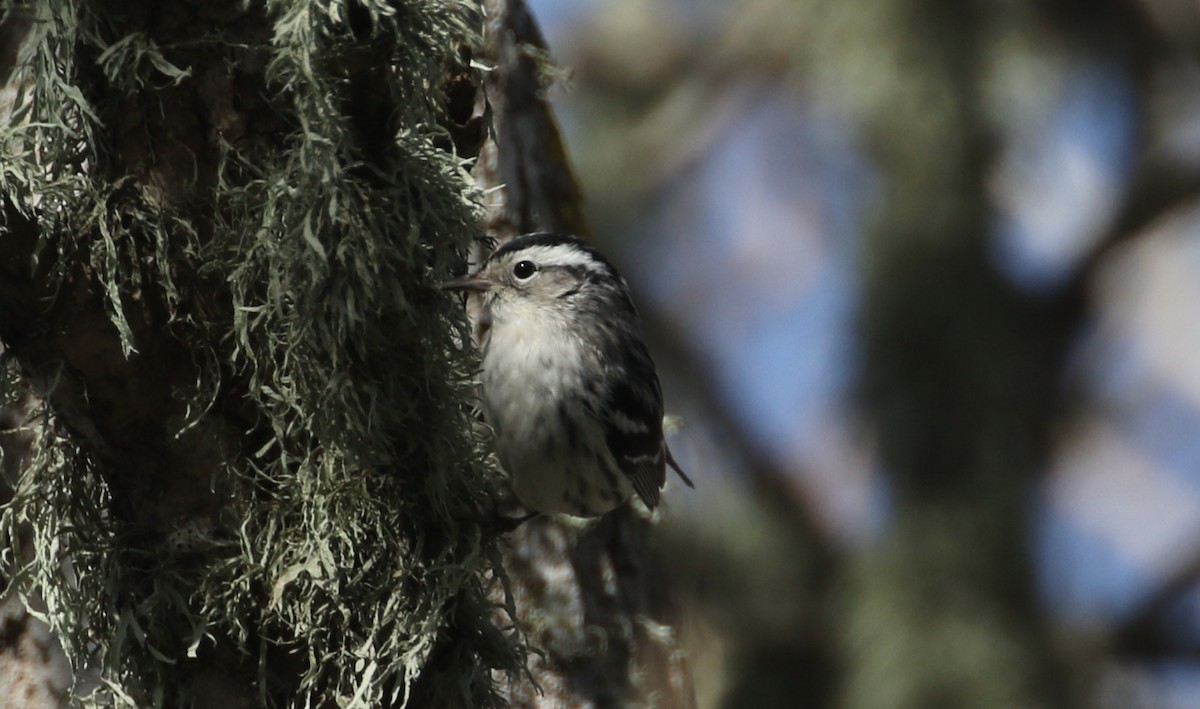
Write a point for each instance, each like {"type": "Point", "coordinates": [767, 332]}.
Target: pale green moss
{"type": "Point", "coordinates": [355, 539]}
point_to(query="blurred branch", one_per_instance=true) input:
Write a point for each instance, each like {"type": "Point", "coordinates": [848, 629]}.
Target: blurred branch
{"type": "Point", "coordinates": [782, 646]}
{"type": "Point", "coordinates": [1131, 32]}
{"type": "Point", "coordinates": [1113, 28]}
{"type": "Point", "coordinates": [771, 486]}
{"type": "Point", "coordinates": [1157, 189]}
{"type": "Point", "coordinates": [1176, 22]}
{"type": "Point", "coordinates": [1146, 633]}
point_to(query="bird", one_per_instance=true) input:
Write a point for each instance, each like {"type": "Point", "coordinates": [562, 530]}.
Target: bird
{"type": "Point", "coordinates": [566, 381]}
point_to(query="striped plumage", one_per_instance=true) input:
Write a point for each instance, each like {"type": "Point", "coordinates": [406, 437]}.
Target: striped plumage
{"type": "Point", "coordinates": [567, 383]}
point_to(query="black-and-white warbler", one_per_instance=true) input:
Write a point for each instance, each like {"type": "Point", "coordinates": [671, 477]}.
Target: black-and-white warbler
{"type": "Point", "coordinates": [567, 383]}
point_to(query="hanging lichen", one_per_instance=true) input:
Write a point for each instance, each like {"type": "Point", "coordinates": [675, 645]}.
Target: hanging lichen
{"type": "Point", "coordinates": [300, 276]}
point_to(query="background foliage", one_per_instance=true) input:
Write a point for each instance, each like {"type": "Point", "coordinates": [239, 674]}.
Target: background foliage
{"type": "Point", "coordinates": [921, 280]}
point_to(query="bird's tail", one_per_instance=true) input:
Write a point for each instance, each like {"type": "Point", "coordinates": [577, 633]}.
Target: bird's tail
{"type": "Point", "coordinates": [675, 466]}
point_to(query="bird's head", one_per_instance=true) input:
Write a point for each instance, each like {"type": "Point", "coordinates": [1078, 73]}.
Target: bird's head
{"type": "Point", "coordinates": [547, 272]}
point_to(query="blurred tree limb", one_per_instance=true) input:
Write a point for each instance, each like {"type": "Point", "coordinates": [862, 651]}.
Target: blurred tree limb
{"type": "Point", "coordinates": [777, 604]}
{"type": "Point", "coordinates": [1132, 33]}
{"type": "Point", "coordinates": [1148, 633]}
{"type": "Point", "coordinates": [1153, 36]}
{"type": "Point", "coordinates": [1159, 187]}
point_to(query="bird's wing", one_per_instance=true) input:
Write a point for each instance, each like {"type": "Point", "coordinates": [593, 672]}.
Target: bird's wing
{"type": "Point", "coordinates": [633, 433]}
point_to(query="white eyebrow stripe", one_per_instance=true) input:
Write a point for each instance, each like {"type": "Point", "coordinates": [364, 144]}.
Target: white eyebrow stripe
{"type": "Point", "coordinates": [563, 256]}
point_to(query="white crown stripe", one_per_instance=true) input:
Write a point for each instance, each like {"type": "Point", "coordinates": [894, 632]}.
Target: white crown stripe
{"type": "Point", "coordinates": [559, 255]}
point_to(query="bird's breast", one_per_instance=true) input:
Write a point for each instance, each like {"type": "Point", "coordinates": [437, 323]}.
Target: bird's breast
{"type": "Point", "coordinates": [540, 394]}
{"type": "Point", "coordinates": [526, 374]}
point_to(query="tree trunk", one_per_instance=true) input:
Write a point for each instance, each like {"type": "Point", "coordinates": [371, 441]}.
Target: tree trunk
{"type": "Point", "coordinates": [256, 480]}
{"type": "Point", "coordinates": [960, 380]}
{"type": "Point", "coordinates": [592, 597]}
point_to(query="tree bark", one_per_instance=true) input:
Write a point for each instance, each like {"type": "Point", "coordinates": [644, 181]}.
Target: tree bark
{"type": "Point", "coordinates": [593, 597]}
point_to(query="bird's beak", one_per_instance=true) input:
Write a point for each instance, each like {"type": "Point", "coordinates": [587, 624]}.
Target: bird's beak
{"type": "Point", "coordinates": [472, 282]}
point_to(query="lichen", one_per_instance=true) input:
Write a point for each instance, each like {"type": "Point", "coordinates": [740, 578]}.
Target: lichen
{"type": "Point", "coordinates": [353, 537]}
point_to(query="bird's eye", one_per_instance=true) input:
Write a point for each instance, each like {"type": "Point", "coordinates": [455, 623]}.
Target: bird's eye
{"type": "Point", "coordinates": [524, 270]}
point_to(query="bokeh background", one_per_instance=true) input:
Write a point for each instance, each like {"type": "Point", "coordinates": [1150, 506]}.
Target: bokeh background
{"type": "Point", "coordinates": [729, 172]}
